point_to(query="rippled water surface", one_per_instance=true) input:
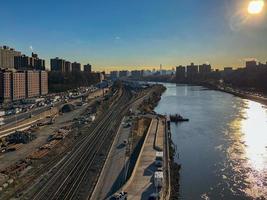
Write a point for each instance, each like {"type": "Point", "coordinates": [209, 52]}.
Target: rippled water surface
{"type": "Point", "coordinates": [223, 148]}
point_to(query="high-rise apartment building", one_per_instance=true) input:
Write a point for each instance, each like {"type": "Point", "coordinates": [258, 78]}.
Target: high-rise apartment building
{"type": "Point", "coordinates": [43, 84]}
{"type": "Point", "coordinates": [251, 64]}
{"type": "Point", "coordinates": [29, 63]}
{"type": "Point", "coordinates": [18, 84]}
{"type": "Point", "coordinates": [32, 83]}
{"type": "Point", "coordinates": [7, 56]}
{"type": "Point", "coordinates": [87, 68]}
{"type": "Point", "coordinates": [137, 73]}
{"type": "Point", "coordinates": [114, 75]}
{"type": "Point", "coordinates": [57, 64]}
{"type": "Point", "coordinates": [68, 67]}
{"type": "Point", "coordinates": [180, 73]}
{"type": "Point", "coordinates": [5, 86]}
{"type": "Point", "coordinates": [76, 67]}
{"type": "Point", "coordinates": [123, 73]}
{"type": "Point", "coordinates": [204, 69]}
{"type": "Point", "coordinates": [191, 71]}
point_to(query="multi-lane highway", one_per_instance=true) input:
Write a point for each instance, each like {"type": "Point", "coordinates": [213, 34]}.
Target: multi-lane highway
{"type": "Point", "coordinates": [75, 177]}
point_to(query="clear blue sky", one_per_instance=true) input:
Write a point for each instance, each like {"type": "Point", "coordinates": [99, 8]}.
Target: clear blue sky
{"type": "Point", "coordinates": [131, 33]}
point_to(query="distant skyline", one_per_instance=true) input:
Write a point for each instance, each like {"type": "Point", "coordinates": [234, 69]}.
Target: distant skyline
{"type": "Point", "coordinates": [136, 34]}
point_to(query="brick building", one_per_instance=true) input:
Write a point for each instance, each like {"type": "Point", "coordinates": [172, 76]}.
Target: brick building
{"type": "Point", "coordinates": [32, 83]}
{"type": "Point", "coordinates": [18, 86]}
{"type": "Point", "coordinates": [5, 86]}
{"type": "Point", "coordinates": [7, 56]}
{"type": "Point", "coordinates": [43, 82]}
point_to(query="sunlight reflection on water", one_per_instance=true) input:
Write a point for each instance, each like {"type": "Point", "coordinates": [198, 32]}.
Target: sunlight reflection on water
{"type": "Point", "coordinates": [223, 148]}
{"type": "Point", "coordinates": [249, 150]}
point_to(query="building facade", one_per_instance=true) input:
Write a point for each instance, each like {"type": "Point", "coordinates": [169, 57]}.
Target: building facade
{"type": "Point", "coordinates": [191, 71]}
{"type": "Point", "coordinates": [204, 69]}
{"type": "Point", "coordinates": [68, 67]}
{"type": "Point", "coordinates": [114, 75]}
{"type": "Point", "coordinates": [57, 64]}
{"type": "Point", "coordinates": [87, 68]}
{"type": "Point", "coordinates": [7, 57]}
{"type": "Point", "coordinates": [18, 86]}
{"type": "Point", "coordinates": [180, 73]}
{"type": "Point", "coordinates": [76, 67]}
{"type": "Point", "coordinates": [5, 86]}
{"type": "Point", "coordinates": [251, 64]}
{"type": "Point", "coordinates": [137, 73]}
{"type": "Point", "coordinates": [123, 73]}
{"type": "Point", "coordinates": [33, 84]}
{"type": "Point", "coordinates": [29, 63]}
{"type": "Point", "coordinates": [43, 84]}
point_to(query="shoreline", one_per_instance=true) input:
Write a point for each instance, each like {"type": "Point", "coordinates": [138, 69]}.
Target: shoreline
{"type": "Point", "coordinates": [240, 94]}
{"type": "Point", "coordinates": [251, 97]}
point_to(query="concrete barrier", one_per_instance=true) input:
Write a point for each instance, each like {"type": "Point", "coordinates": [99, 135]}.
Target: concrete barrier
{"type": "Point", "coordinates": [138, 159]}
{"type": "Point", "coordinates": [168, 177]}
{"type": "Point", "coordinates": [129, 181]}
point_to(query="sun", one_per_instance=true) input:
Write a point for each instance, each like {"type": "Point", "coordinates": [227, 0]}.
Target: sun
{"type": "Point", "coordinates": [255, 6]}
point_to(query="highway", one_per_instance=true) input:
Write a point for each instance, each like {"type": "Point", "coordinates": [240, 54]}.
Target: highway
{"type": "Point", "coordinates": [9, 120]}
{"type": "Point", "coordinates": [18, 117]}
{"type": "Point", "coordinates": [77, 174]}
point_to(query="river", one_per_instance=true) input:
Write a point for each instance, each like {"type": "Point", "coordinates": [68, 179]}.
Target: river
{"type": "Point", "coordinates": [223, 148]}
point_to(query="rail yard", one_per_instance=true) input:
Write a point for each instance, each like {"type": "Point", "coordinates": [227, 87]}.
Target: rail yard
{"type": "Point", "coordinates": [72, 161]}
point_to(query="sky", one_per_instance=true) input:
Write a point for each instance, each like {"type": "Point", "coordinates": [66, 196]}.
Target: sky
{"type": "Point", "coordinates": [135, 34]}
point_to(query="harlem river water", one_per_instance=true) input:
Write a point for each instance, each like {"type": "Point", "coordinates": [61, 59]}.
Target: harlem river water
{"type": "Point", "coordinates": [223, 148]}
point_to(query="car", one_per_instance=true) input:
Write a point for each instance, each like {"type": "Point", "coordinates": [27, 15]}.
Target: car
{"type": "Point", "coordinates": [154, 196]}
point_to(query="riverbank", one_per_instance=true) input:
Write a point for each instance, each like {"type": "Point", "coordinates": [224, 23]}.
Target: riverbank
{"type": "Point", "coordinates": [236, 92]}
{"type": "Point", "coordinates": [174, 169]}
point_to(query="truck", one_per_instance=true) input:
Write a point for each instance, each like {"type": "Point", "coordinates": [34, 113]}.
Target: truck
{"type": "Point", "coordinates": [159, 159]}
{"type": "Point", "coordinates": [158, 179]}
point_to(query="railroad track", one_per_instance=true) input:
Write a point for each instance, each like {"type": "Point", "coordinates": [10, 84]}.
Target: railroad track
{"type": "Point", "coordinates": [71, 179]}
{"type": "Point", "coordinates": [54, 161]}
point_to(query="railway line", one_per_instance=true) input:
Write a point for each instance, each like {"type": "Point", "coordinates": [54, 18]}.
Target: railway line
{"type": "Point", "coordinates": [75, 177]}
{"type": "Point", "coordinates": [50, 164]}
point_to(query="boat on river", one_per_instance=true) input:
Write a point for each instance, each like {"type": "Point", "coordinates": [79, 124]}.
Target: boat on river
{"type": "Point", "coordinates": [178, 118]}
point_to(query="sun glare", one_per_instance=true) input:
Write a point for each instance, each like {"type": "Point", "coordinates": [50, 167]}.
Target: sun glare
{"type": "Point", "coordinates": [255, 6]}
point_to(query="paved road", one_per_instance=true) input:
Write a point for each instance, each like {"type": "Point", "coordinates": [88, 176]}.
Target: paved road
{"type": "Point", "coordinates": [113, 173]}
{"type": "Point", "coordinates": [142, 186]}
{"type": "Point", "coordinates": [14, 120]}
{"type": "Point", "coordinates": [18, 117]}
